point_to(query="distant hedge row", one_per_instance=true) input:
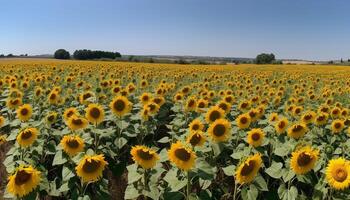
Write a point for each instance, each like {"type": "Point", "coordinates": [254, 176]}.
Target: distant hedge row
{"type": "Point", "coordinates": [86, 54]}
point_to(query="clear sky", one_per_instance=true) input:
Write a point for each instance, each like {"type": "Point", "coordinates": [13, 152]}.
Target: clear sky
{"type": "Point", "coordinates": [306, 29]}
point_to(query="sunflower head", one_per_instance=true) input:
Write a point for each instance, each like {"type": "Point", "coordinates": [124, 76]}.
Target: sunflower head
{"type": "Point", "coordinates": [321, 119]}
{"type": "Point", "coordinates": [24, 112]}
{"type": "Point", "coordinates": [201, 104]}
{"type": "Point", "coordinates": [182, 156]}
{"type": "Point", "coordinates": [248, 169]}
{"type": "Point", "coordinates": [273, 117]}
{"type": "Point", "coordinates": [297, 130]}
{"type": "Point", "coordinates": [145, 98]}
{"type": "Point", "coordinates": [224, 106]}
{"type": "Point", "coordinates": [94, 113]}
{"type": "Point", "coordinates": [255, 137]}
{"type": "Point", "coordinates": [281, 125]}
{"type": "Point", "coordinates": [120, 106]}
{"type": "Point", "coordinates": [337, 126]}
{"type": "Point", "coordinates": [77, 123]}
{"type": "Point", "coordinates": [243, 121]}
{"type": "Point", "coordinates": [303, 160]}
{"type": "Point", "coordinates": [190, 104]}
{"type": "Point", "coordinates": [69, 112]}
{"type": "Point", "coordinates": [196, 138]}
{"type": "Point", "coordinates": [338, 173]}
{"type": "Point", "coordinates": [27, 137]}
{"type": "Point", "coordinates": [219, 131]}
{"type": "Point", "coordinates": [72, 144]}
{"type": "Point", "coordinates": [13, 103]}
{"type": "Point", "coordinates": [144, 156]}
{"type": "Point", "coordinates": [2, 139]}
{"type": "Point", "coordinates": [51, 118]}
{"type": "Point", "coordinates": [196, 125]}
{"type": "Point", "coordinates": [214, 113]}
{"type": "Point", "coordinates": [308, 117]}
{"type": "Point", "coordinates": [90, 168]}
{"type": "Point", "coordinates": [153, 108]}
{"type": "Point", "coordinates": [2, 121]}
{"type": "Point", "coordinates": [23, 181]}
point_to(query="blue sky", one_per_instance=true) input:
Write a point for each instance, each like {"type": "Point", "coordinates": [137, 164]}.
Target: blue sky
{"type": "Point", "coordinates": [306, 29]}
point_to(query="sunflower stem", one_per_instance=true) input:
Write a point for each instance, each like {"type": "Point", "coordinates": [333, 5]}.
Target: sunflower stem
{"type": "Point", "coordinates": [188, 191]}
{"type": "Point", "coordinates": [235, 191]}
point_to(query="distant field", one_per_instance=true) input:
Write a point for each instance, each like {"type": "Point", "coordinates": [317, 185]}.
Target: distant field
{"type": "Point", "coordinates": [122, 130]}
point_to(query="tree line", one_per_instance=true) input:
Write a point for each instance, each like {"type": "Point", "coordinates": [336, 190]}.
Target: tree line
{"type": "Point", "coordinates": [85, 54]}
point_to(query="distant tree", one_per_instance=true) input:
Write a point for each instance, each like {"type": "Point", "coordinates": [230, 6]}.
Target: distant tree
{"type": "Point", "coordinates": [86, 54]}
{"type": "Point", "coordinates": [265, 58]}
{"type": "Point", "coordinates": [62, 54]}
{"type": "Point", "coordinates": [10, 55]}
{"type": "Point", "coordinates": [348, 60]}
{"type": "Point", "coordinates": [341, 60]}
{"type": "Point", "coordinates": [330, 62]}
{"type": "Point", "coordinates": [2, 55]}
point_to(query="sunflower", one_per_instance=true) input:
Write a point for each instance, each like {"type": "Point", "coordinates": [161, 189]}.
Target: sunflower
{"type": "Point", "coordinates": [243, 121]}
{"type": "Point", "coordinates": [224, 106]}
{"type": "Point", "coordinates": [273, 117]}
{"type": "Point", "coordinates": [308, 117]}
{"type": "Point", "coordinates": [297, 130]}
{"type": "Point", "coordinates": [24, 112]}
{"type": "Point", "coordinates": [153, 108]}
{"type": "Point", "coordinates": [158, 100]}
{"type": "Point", "coordinates": [321, 119]}
{"type": "Point", "coordinates": [120, 106]}
{"type": "Point", "coordinates": [255, 137]}
{"type": "Point", "coordinates": [219, 131]}
{"type": "Point", "coordinates": [281, 125]}
{"type": "Point", "coordinates": [13, 103]}
{"type": "Point", "coordinates": [303, 160]}
{"type": "Point", "coordinates": [244, 106]}
{"type": "Point", "coordinates": [196, 138]}
{"type": "Point", "coordinates": [144, 156]}
{"type": "Point", "coordinates": [247, 170]}
{"type": "Point", "coordinates": [297, 110]}
{"type": "Point", "coordinates": [335, 112]}
{"type": "Point", "coordinates": [2, 121]}
{"type": "Point", "coordinates": [145, 114]}
{"type": "Point", "coordinates": [90, 168]}
{"type": "Point", "coordinates": [76, 123]}
{"type": "Point", "coordinates": [182, 156]}
{"type": "Point", "coordinates": [27, 136]}
{"type": "Point", "coordinates": [69, 112]}
{"type": "Point", "coordinates": [196, 125]}
{"type": "Point", "coordinates": [72, 144]}
{"type": "Point", "coordinates": [2, 139]}
{"type": "Point", "coordinates": [145, 98]}
{"type": "Point", "coordinates": [51, 118]}
{"type": "Point", "coordinates": [337, 126]}
{"type": "Point", "coordinates": [214, 113]}
{"type": "Point", "coordinates": [229, 99]}
{"type": "Point", "coordinates": [190, 104]}
{"type": "Point", "coordinates": [94, 113]}
{"type": "Point", "coordinates": [338, 173]}
{"type": "Point", "coordinates": [24, 180]}
{"type": "Point", "coordinates": [85, 98]}
{"type": "Point", "coordinates": [53, 97]}
{"type": "Point", "coordinates": [201, 104]}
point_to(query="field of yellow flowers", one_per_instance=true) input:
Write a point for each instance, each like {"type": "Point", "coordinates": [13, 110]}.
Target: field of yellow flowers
{"type": "Point", "coordinates": [173, 132]}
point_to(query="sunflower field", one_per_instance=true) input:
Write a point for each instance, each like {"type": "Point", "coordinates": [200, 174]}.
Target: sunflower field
{"type": "Point", "coordinates": [118, 130]}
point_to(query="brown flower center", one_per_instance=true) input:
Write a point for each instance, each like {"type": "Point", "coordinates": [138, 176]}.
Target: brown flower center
{"type": "Point", "coordinates": [297, 128]}
{"type": "Point", "coordinates": [22, 177]}
{"type": "Point", "coordinates": [243, 120]}
{"type": "Point", "coordinates": [219, 130]}
{"type": "Point", "coordinates": [337, 125]}
{"type": "Point", "coordinates": [182, 154]}
{"type": "Point", "coordinates": [73, 143]}
{"type": "Point", "coordinates": [119, 105]}
{"type": "Point", "coordinates": [195, 139]}
{"type": "Point", "coordinates": [92, 166]}
{"type": "Point", "coordinates": [248, 168]}
{"type": "Point", "coordinates": [214, 115]}
{"type": "Point", "coordinates": [145, 155]}
{"type": "Point", "coordinates": [255, 136]}
{"type": "Point", "coordinates": [195, 127]}
{"type": "Point", "coordinates": [77, 122]}
{"type": "Point", "coordinates": [340, 174]}
{"type": "Point", "coordinates": [26, 134]}
{"type": "Point", "coordinates": [24, 111]}
{"type": "Point", "coordinates": [304, 159]}
{"type": "Point", "coordinates": [95, 113]}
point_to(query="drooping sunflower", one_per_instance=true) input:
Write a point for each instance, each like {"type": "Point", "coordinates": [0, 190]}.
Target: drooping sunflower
{"type": "Point", "coordinates": [337, 126]}
{"type": "Point", "coordinates": [321, 119]}
{"type": "Point", "coordinates": [120, 106]}
{"type": "Point", "coordinates": [308, 117]}
{"type": "Point", "coordinates": [243, 121]}
{"type": "Point", "coordinates": [255, 137]}
{"type": "Point", "coordinates": [191, 104]}
{"type": "Point", "coordinates": [219, 131]}
{"type": "Point", "coordinates": [145, 114]}
{"type": "Point", "coordinates": [297, 130]}
{"type": "Point", "coordinates": [338, 173]}
{"type": "Point", "coordinates": [196, 138]}
{"type": "Point", "coordinates": [76, 123]}
{"type": "Point", "coordinates": [27, 136]}
{"type": "Point", "coordinates": [24, 112]}
{"type": "Point", "coordinates": [303, 160]}
{"type": "Point", "coordinates": [281, 125]}
{"type": "Point", "coordinates": [72, 144]}
{"type": "Point", "coordinates": [69, 112]}
{"type": "Point", "coordinates": [196, 125]}
{"type": "Point", "coordinates": [214, 113]}
{"type": "Point", "coordinates": [94, 113]}
{"type": "Point", "coordinates": [2, 121]}
{"type": "Point", "coordinates": [247, 170]}
{"type": "Point", "coordinates": [13, 103]}
{"type": "Point", "coordinates": [182, 156]}
{"type": "Point", "coordinates": [144, 156]}
{"type": "Point", "coordinates": [90, 168]}
{"type": "Point", "coordinates": [24, 180]}
{"type": "Point", "coordinates": [273, 117]}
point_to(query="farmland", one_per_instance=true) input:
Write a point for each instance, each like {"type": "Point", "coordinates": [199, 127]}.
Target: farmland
{"type": "Point", "coordinates": [122, 130]}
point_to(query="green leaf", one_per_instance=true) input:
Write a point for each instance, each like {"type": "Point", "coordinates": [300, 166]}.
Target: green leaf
{"type": "Point", "coordinates": [275, 170]}
{"type": "Point", "coordinates": [131, 192]}
{"type": "Point", "coordinates": [67, 174]}
{"type": "Point", "coordinates": [59, 159]}
{"type": "Point", "coordinates": [120, 142]}
{"type": "Point", "coordinates": [164, 140]}
{"type": "Point", "coordinates": [281, 151]}
{"type": "Point", "coordinates": [174, 183]}
{"type": "Point", "coordinates": [86, 197]}
{"type": "Point", "coordinates": [229, 170]}
{"type": "Point", "coordinates": [287, 194]}
{"type": "Point", "coordinates": [288, 175]}
{"type": "Point", "coordinates": [64, 187]}
{"type": "Point", "coordinates": [205, 171]}
{"type": "Point", "coordinates": [260, 183]}
{"type": "Point", "coordinates": [133, 175]}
